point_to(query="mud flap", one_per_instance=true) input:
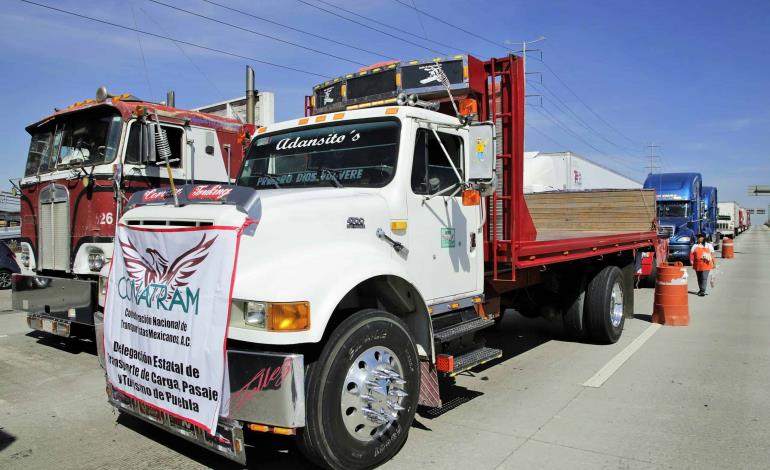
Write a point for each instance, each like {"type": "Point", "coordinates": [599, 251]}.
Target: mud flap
{"type": "Point", "coordinates": [429, 393]}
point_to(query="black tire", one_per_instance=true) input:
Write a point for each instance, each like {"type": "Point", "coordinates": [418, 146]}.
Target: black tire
{"type": "Point", "coordinates": [5, 279]}
{"type": "Point", "coordinates": [603, 326]}
{"type": "Point", "coordinates": [325, 440]}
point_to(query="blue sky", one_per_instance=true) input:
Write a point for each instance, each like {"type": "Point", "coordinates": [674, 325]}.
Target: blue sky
{"type": "Point", "coordinates": [691, 76]}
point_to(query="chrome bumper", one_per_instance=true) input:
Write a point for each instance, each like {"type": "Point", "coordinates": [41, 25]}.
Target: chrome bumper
{"type": "Point", "coordinates": [52, 303]}
{"type": "Point", "coordinates": [266, 388]}
{"type": "Point", "coordinates": [228, 440]}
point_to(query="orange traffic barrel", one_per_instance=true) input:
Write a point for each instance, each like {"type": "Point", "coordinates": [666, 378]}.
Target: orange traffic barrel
{"type": "Point", "coordinates": [671, 305]}
{"type": "Point", "coordinates": [728, 248]}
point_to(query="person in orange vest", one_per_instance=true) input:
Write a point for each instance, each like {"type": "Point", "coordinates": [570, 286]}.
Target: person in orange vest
{"type": "Point", "coordinates": [703, 261]}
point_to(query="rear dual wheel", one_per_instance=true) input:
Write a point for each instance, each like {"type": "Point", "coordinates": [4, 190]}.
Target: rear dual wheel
{"type": "Point", "coordinates": [605, 305]}
{"type": "Point", "coordinates": [361, 393]}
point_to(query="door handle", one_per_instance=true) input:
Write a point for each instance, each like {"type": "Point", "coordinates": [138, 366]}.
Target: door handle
{"type": "Point", "coordinates": [397, 246]}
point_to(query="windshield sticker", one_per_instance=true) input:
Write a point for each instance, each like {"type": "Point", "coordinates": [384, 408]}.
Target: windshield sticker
{"type": "Point", "coordinates": [313, 176]}
{"type": "Point", "coordinates": [330, 139]}
{"type": "Point", "coordinates": [447, 238]}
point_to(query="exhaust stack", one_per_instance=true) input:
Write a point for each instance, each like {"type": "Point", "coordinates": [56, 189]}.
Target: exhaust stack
{"type": "Point", "coordinates": [251, 95]}
{"type": "Point", "coordinates": [171, 99]}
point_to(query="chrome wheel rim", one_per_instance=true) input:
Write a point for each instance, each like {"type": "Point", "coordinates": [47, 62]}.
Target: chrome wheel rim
{"type": "Point", "coordinates": [5, 280]}
{"type": "Point", "coordinates": [616, 305]}
{"type": "Point", "coordinates": [372, 394]}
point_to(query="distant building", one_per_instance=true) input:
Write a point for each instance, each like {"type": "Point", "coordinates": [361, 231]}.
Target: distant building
{"type": "Point", "coordinates": [566, 171]}
{"type": "Point", "coordinates": [10, 220]}
{"type": "Point", "coordinates": [264, 110]}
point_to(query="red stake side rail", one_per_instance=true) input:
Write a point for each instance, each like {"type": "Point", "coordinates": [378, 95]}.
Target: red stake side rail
{"type": "Point", "coordinates": [515, 244]}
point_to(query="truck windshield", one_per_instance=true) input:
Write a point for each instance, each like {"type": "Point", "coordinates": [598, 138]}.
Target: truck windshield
{"type": "Point", "coordinates": [672, 209]}
{"type": "Point", "coordinates": [359, 154]}
{"type": "Point", "coordinates": [84, 138]}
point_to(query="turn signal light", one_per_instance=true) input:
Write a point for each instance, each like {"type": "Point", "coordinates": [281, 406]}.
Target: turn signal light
{"type": "Point", "coordinates": [288, 316]}
{"type": "Point", "coordinates": [471, 197]}
{"type": "Point", "coordinates": [468, 107]}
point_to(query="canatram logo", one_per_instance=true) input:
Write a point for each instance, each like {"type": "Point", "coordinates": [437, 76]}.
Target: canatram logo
{"type": "Point", "coordinates": [153, 282]}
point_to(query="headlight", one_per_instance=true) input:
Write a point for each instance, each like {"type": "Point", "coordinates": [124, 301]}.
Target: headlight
{"type": "Point", "coordinates": [24, 256]}
{"type": "Point", "coordinates": [255, 314]}
{"type": "Point", "coordinates": [96, 261]}
{"type": "Point", "coordinates": [684, 239]}
{"type": "Point", "coordinates": [271, 316]}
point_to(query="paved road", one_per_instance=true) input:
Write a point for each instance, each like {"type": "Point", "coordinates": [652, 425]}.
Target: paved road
{"type": "Point", "coordinates": [690, 397]}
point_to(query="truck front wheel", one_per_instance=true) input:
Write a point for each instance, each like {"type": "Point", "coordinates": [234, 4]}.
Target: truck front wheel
{"type": "Point", "coordinates": [361, 393]}
{"type": "Point", "coordinates": [604, 305]}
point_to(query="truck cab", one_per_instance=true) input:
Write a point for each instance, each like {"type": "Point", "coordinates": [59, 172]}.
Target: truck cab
{"type": "Point", "coordinates": [681, 209]}
{"type": "Point", "coordinates": [84, 162]}
{"type": "Point", "coordinates": [710, 222]}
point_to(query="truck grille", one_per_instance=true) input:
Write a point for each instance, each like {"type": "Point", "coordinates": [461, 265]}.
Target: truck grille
{"type": "Point", "coordinates": [54, 229]}
{"type": "Point", "coordinates": [666, 230]}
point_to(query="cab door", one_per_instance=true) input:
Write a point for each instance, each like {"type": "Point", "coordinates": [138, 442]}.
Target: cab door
{"type": "Point", "coordinates": [443, 244]}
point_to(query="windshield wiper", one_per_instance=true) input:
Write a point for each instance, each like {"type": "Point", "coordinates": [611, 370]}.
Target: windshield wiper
{"type": "Point", "coordinates": [271, 176]}
{"type": "Point", "coordinates": [329, 172]}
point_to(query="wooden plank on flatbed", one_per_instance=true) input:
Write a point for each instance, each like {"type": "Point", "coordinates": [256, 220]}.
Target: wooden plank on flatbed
{"type": "Point", "coordinates": [608, 211]}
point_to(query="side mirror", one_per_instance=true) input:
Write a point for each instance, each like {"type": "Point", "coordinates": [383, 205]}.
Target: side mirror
{"type": "Point", "coordinates": [481, 154]}
{"type": "Point", "coordinates": [149, 155]}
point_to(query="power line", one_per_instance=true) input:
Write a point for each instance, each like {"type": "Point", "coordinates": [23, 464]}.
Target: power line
{"type": "Point", "coordinates": [559, 144]}
{"type": "Point", "coordinates": [564, 107]}
{"type": "Point", "coordinates": [371, 27]}
{"type": "Point", "coordinates": [419, 20]}
{"type": "Point", "coordinates": [494, 43]}
{"type": "Point", "coordinates": [373, 20]}
{"type": "Point", "coordinates": [317, 36]}
{"type": "Point", "coordinates": [168, 38]}
{"type": "Point", "coordinates": [181, 49]}
{"type": "Point", "coordinates": [141, 51]}
{"type": "Point", "coordinates": [560, 124]}
{"type": "Point", "coordinates": [564, 84]}
{"type": "Point", "coordinates": [328, 54]}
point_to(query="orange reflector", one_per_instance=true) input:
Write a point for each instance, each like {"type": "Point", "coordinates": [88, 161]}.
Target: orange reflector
{"type": "Point", "coordinates": [261, 130]}
{"type": "Point", "coordinates": [302, 121]}
{"type": "Point", "coordinates": [259, 427]}
{"type": "Point", "coordinates": [289, 316]}
{"type": "Point", "coordinates": [471, 197]}
{"type": "Point", "coordinates": [454, 305]}
{"type": "Point", "coordinates": [284, 431]}
{"type": "Point", "coordinates": [398, 79]}
{"type": "Point", "coordinates": [338, 116]}
{"type": "Point", "coordinates": [391, 111]}
{"type": "Point", "coordinates": [320, 118]}
{"type": "Point", "coordinates": [468, 107]}
{"type": "Point", "coordinates": [445, 363]}
{"type": "Point", "coordinates": [398, 225]}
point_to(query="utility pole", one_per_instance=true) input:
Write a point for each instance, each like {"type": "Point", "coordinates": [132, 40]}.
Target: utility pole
{"type": "Point", "coordinates": [653, 150]}
{"type": "Point", "coordinates": [524, 49]}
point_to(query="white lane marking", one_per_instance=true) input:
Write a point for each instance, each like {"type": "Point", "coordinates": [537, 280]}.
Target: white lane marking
{"type": "Point", "coordinates": [3, 336]}
{"type": "Point", "coordinates": [620, 358]}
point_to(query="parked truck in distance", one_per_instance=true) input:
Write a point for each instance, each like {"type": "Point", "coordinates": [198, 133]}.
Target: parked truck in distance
{"type": "Point", "coordinates": [744, 220]}
{"type": "Point", "coordinates": [680, 209]}
{"type": "Point", "coordinates": [380, 235]}
{"type": "Point", "coordinates": [84, 163]}
{"type": "Point", "coordinates": [727, 224]}
{"type": "Point", "coordinates": [711, 209]}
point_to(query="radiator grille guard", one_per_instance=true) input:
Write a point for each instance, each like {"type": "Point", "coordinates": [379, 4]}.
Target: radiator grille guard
{"type": "Point", "coordinates": [54, 229]}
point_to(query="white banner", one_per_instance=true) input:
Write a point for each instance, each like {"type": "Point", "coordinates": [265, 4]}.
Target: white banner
{"type": "Point", "coordinates": [166, 314]}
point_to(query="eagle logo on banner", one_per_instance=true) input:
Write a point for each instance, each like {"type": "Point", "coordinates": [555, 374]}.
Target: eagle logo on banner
{"type": "Point", "coordinates": [153, 268]}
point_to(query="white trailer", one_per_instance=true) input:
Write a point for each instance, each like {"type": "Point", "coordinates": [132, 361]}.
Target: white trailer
{"type": "Point", "coordinates": [727, 220]}
{"type": "Point", "coordinates": [567, 171]}
{"type": "Point", "coordinates": [235, 108]}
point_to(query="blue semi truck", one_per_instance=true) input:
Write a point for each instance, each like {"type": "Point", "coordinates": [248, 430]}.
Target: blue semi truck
{"type": "Point", "coordinates": [681, 209]}
{"type": "Point", "coordinates": [709, 224]}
